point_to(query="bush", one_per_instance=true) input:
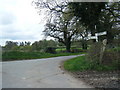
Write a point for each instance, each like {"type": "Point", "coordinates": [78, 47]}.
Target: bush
{"type": "Point", "coordinates": [94, 53]}
{"type": "Point", "coordinates": [111, 56]}
{"type": "Point", "coordinates": [50, 50]}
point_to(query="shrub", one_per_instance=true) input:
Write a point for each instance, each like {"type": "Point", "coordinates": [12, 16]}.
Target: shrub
{"type": "Point", "coordinates": [78, 50]}
{"type": "Point", "coordinates": [111, 56]}
{"type": "Point", "coordinates": [94, 53]}
{"type": "Point", "coordinates": [50, 50]}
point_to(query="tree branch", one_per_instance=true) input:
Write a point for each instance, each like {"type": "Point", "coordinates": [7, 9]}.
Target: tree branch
{"type": "Point", "coordinates": [57, 37]}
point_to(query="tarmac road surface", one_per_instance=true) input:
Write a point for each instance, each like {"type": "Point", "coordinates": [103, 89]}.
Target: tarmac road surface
{"type": "Point", "coordinates": [38, 73]}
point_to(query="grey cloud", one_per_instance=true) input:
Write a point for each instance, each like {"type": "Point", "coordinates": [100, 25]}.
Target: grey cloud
{"type": "Point", "coordinates": [17, 37]}
{"type": "Point", "coordinates": [16, 34]}
{"type": "Point", "coordinates": [6, 18]}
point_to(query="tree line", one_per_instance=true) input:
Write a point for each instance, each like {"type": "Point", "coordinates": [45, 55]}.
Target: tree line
{"type": "Point", "coordinates": [28, 46]}
{"type": "Point", "coordinates": [49, 46]}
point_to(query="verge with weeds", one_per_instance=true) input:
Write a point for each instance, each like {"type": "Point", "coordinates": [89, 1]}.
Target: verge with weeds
{"type": "Point", "coordinates": [81, 64]}
{"type": "Point", "coordinates": [17, 55]}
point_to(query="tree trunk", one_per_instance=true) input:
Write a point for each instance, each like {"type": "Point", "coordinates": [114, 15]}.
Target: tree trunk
{"type": "Point", "coordinates": [84, 45]}
{"type": "Point", "coordinates": [110, 37]}
{"type": "Point", "coordinates": [93, 34]}
{"type": "Point", "coordinates": [93, 30]}
{"type": "Point", "coordinates": [68, 45]}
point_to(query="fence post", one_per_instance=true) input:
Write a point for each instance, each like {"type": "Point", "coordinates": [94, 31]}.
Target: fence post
{"type": "Point", "coordinates": [102, 49]}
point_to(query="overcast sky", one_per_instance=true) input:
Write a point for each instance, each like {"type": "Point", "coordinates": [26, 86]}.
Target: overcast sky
{"type": "Point", "coordinates": [20, 21]}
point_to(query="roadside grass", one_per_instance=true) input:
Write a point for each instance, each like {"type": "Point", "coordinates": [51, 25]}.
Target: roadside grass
{"type": "Point", "coordinates": [17, 55]}
{"type": "Point", "coordinates": [81, 64]}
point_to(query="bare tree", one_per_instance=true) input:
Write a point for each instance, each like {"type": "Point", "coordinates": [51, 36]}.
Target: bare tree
{"type": "Point", "coordinates": [51, 7]}
{"type": "Point", "coordinates": [64, 29]}
{"type": "Point", "coordinates": [61, 24]}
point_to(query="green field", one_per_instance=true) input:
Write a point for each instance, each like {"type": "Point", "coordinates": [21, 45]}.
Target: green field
{"type": "Point", "coordinates": [60, 49]}
{"type": "Point", "coordinates": [72, 49]}
{"type": "Point", "coordinates": [15, 55]}
{"type": "Point", "coordinates": [81, 64]}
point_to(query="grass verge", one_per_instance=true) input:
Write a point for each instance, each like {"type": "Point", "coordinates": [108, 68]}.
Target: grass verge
{"type": "Point", "coordinates": [81, 64]}
{"type": "Point", "coordinates": [16, 55]}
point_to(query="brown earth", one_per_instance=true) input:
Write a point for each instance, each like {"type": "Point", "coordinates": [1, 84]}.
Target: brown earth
{"type": "Point", "coordinates": [101, 80]}
{"type": "Point", "coordinates": [109, 79]}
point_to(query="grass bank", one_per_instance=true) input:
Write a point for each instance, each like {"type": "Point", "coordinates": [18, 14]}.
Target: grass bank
{"type": "Point", "coordinates": [81, 64]}
{"type": "Point", "coordinates": [16, 55]}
